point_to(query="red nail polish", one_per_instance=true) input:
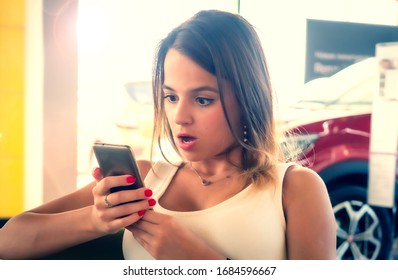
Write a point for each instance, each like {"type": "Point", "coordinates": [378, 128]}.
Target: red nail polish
{"type": "Point", "coordinates": [130, 179]}
{"type": "Point", "coordinates": [151, 202]}
{"type": "Point", "coordinates": [148, 193]}
{"type": "Point", "coordinates": [96, 171]}
{"type": "Point", "coordinates": [141, 213]}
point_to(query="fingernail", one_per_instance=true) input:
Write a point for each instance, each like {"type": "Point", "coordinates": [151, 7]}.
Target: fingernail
{"type": "Point", "coordinates": [141, 213]}
{"type": "Point", "coordinates": [130, 179]}
{"type": "Point", "coordinates": [148, 193]}
{"type": "Point", "coordinates": [95, 170]}
{"type": "Point", "coordinates": [151, 202]}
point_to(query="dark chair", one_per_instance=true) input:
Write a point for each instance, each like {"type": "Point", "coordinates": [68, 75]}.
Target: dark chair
{"type": "Point", "coordinates": [108, 247]}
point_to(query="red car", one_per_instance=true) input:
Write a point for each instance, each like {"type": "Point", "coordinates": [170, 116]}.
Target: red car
{"type": "Point", "coordinates": [332, 132]}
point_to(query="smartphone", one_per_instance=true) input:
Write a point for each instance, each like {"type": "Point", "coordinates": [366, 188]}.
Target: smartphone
{"type": "Point", "coordinates": [114, 160]}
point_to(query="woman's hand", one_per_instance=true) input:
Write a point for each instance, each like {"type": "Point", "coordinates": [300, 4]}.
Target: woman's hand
{"type": "Point", "coordinates": [165, 238]}
{"type": "Point", "coordinates": [113, 211]}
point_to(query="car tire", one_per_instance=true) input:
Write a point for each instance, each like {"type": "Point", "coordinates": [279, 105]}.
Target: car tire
{"type": "Point", "coordinates": [363, 231]}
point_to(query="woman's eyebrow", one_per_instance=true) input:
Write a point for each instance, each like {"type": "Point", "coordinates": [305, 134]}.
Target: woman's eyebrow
{"type": "Point", "coordinates": [198, 89]}
{"type": "Point", "coordinates": [167, 87]}
{"type": "Point", "coordinates": [205, 88]}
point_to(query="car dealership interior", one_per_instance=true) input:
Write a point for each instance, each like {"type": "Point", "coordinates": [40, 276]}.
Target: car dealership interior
{"type": "Point", "coordinates": [334, 68]}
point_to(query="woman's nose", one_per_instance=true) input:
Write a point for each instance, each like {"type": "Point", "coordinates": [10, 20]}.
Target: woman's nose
{"type": "Point", "coordinates": [183, 114]}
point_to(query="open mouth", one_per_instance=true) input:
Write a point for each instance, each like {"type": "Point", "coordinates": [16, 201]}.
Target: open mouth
{"type": "Point", "coordinates": [186, 139]}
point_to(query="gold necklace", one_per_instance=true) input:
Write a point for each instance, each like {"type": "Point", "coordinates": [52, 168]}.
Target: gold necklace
{"type": "Point", "coordinates": [206, 182]}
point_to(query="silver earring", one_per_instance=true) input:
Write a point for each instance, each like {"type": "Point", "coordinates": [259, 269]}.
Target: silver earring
{"type": "Point", "coordinates": [245, 134]}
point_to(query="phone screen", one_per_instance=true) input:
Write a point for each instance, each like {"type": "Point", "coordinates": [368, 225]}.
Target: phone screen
{"type": "Point", "coordinates": [114, 160]}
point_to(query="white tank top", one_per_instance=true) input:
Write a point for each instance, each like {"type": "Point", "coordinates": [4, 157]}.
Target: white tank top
{"type": "Point", "coordinates": [250, 225]}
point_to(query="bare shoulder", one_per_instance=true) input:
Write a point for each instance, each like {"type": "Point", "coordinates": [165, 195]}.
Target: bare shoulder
{"type": "Point", "coordinates": [309, 215]}
{"type": "Point", "coordinates": [300, 182]}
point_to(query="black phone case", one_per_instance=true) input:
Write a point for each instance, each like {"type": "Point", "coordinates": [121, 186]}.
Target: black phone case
{"type": "Point", "coordinates": [114, 160]}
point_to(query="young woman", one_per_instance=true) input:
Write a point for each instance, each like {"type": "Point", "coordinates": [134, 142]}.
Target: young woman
{"type": "Point", "coordinates": [231, 196]}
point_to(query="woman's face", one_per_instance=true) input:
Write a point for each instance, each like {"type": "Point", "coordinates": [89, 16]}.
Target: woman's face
{"type": "Point", "coordinates": [194, 111]}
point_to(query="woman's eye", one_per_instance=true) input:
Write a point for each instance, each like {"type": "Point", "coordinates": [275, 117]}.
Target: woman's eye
{"type": "Point", "coordinates": [202, 101]}
{"type": "Point", "coordinates": [171, 98]}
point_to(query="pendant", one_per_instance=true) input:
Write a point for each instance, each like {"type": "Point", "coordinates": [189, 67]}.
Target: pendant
{"type": "Point", "coordinates": [205, 182]}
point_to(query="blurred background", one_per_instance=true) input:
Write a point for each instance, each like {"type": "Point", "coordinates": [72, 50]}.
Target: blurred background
{"type": "Point", "coordinates": [73, 72]}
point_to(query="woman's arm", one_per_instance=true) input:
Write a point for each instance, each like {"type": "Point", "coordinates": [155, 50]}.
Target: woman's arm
{"type": "Point", "coordinates": [49, 227]}
{"type": "Point", "coordinates": [70, 220]}
{"type": "Point", "coordinates": [311, 227]}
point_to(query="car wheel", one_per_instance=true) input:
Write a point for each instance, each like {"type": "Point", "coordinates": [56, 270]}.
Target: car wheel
{"type": "Point", "coordinates": [363, 231]}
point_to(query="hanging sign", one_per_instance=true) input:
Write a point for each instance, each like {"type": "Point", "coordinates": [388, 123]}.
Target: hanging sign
{"type": "Point", "coordinates": [384, 129]}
